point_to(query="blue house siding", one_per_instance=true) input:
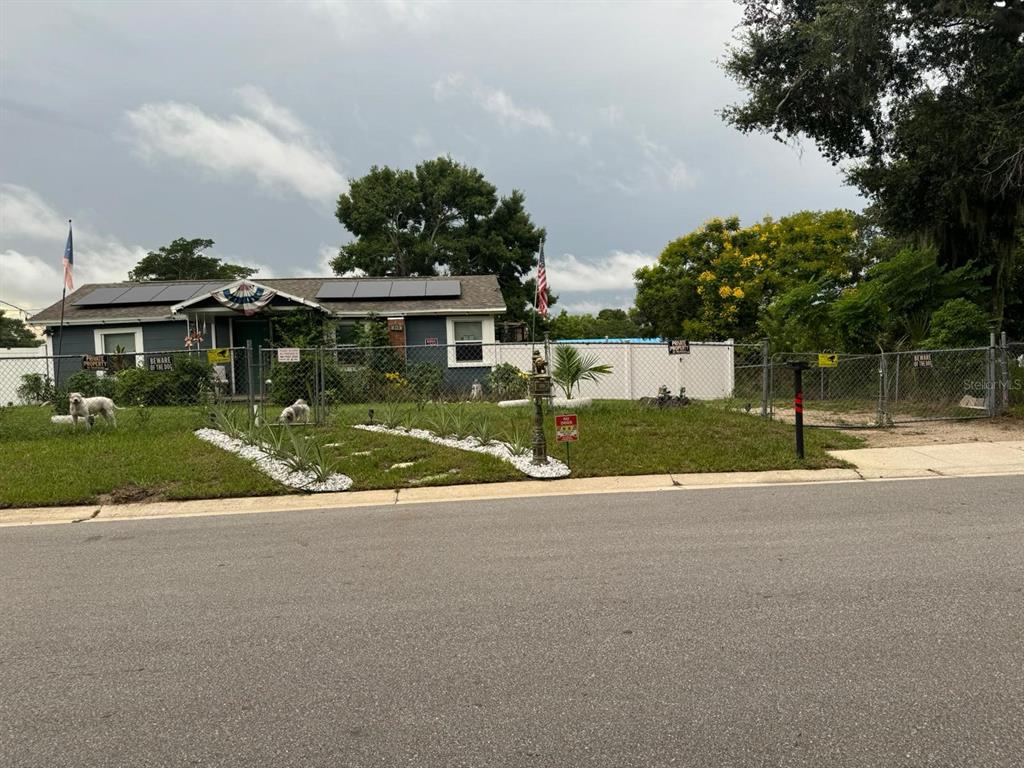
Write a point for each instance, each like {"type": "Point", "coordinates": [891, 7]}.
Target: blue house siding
{"type": "Point", "coordinates": [78, 341]}
{"type": "Point", "coordinates": [417, 331]}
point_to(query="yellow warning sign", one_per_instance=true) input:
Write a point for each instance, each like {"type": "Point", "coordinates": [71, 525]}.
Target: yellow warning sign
{"type": "Point", "coordinates": [218, 355]}
{"type": "Point", "coordinates": [828, 360]}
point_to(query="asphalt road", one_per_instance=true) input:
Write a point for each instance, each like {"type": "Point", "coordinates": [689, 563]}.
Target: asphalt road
{"type": "Point", "coordinates": [857, 624]}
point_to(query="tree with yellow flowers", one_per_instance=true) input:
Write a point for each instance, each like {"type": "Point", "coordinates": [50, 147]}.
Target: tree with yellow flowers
{"type": "Point", "coordinates": [717, 281]}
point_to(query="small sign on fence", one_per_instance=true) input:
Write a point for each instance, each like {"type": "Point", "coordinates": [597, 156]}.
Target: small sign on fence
{"type": "Point", "coordinates": [288, 355]}
{"type": "Point", "coordinates": [566, 428]}
{"type": "Point", "coordinates": [678, 347]}
{"type": "Point", "coordinates": [828, 360]}
{"type": "Point", "coordinates": [158, 363]}
{"type": "Point", "coordinates": [94, 362]}
{"type": "Point", "coordinates": [922, 359]}
{"type": "Point", "coordinates": [430, 341]}
{"type": "Point", "coordinates": [218, 355]}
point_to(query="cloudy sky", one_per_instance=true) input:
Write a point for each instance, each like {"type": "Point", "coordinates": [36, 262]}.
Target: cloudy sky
{"type": "Point", "coordinates": [243, 122]}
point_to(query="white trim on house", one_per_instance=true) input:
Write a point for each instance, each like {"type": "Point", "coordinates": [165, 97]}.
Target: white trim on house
{"type": "Point", "coordinates": [204, 296]}
{"type": "Point", "coordinates": [138, 353]}
{"type": "Point", "coordinates": [486, 341]}
{"type": "Point", "coordinates": [99, 333]}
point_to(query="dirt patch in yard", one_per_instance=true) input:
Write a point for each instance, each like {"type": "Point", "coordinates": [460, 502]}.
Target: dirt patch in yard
{"type": "Point", "coordinates": [932, 432]}
{"type": "Point", "coordinates": [913, 433]}
{"type": "Point", "coordinates": [132, 494]}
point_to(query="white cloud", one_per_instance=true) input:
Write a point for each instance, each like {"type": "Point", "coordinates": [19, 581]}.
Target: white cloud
{"type": "Point", "coordinates": [274, 147]}
{"type": "Point", "coordinates": [570, 274]}
{"type": "Point", "coordinates": [494, 101]}
{"type": "Point", "coordinates": [23, 213]}
{"type": "Point", "coordinates": [33, 271]}
{"type": "Point", "coordinates": [262, 106]}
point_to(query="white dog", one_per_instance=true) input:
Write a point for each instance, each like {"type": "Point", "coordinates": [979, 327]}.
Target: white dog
{"type": "Point", "coordinates": [82, 407]}
{"type": "Point", "coordinates": [297, 411]}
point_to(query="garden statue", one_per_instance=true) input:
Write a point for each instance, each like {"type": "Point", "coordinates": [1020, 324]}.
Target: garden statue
{"type": "Point", "coordinates": [540, 365]}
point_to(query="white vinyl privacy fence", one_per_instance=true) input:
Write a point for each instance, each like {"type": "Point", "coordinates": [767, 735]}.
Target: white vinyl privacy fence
{"type": "Point", "coordinates": [29, 360]}
{"type": "Point", "coordinates": [707, 372]}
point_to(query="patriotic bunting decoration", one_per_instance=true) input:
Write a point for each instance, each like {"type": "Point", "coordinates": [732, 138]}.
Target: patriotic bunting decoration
{"type": "Point", "coordinates": [244, 296]}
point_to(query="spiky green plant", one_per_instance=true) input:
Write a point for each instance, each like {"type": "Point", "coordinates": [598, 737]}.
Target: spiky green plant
{"type": "Point", "coordinates": [518, 441]}
{"type": "Point", "coordinates": [484, 431]}
{"type": "Point", "coordinates": [572, 368]}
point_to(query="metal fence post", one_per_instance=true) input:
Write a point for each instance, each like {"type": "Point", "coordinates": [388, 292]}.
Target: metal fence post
{"type": "Point", "coordinates": [765, 376]}
{"type": "Point", "coordinates": [1004, 373]}
{"type": "Point", "coordinates": [883, 386]}
{"type": "Point", "coordinates": [990, 375]}
{"type": "Point", "coordinates": [250, 393]}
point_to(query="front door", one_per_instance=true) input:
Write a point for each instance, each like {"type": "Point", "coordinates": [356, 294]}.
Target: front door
{"type": "Point", "coordinates": [256, 332]}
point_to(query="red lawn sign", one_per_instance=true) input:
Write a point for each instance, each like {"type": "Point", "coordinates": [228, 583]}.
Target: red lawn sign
{"type": "Point", "coordinates": [566, 429]}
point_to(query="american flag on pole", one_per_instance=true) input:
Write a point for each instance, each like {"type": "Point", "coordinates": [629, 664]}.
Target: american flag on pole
{"type": "Point", "coordinates": [542, 284]}
{"type": "Point", "coordinates": [69, 262]}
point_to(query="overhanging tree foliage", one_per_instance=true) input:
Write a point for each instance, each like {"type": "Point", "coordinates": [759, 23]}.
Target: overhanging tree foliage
{"type": "Point", "coordinates": [14, 333]}
{"type": "Point", "coordinates": [925, 96]}
{"type": "Point", "coordinates": [183, 260]}
{"type": "Point", "coordinates": [442, 217]}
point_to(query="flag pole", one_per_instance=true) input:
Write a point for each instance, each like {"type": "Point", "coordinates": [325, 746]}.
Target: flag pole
{"type": "Point", "coordinates": [60, 338]}
{"type": "Point", "coordinates": [536, 304]}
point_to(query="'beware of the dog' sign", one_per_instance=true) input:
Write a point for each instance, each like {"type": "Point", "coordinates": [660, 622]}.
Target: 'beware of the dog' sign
{"type": "Point", "coordinates": [159, 362]}
{"type": "Point", "coordinates": [566, 429]}
{"type": "Point", "coordinates": [288, 355]}
{"type": "Point", "coordinates": [218, 355]}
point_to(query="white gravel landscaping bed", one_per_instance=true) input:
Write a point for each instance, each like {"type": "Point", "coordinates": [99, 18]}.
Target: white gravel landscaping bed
{"type": "Point", "coordinates": [554, 468]}
{"type": "Point", "coordinates": [273, 467]}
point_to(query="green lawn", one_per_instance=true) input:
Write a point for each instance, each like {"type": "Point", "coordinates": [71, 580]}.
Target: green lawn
{"type": "Point", "coordinates": [154, 455]}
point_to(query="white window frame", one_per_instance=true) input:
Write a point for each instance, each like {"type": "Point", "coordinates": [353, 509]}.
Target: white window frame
{"type": "Point", "coordinates": [486, 339]}
{"type": "Point", "coordinates": [139, 353]}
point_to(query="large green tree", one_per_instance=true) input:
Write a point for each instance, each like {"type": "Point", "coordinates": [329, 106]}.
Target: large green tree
{"type": "Point", "coordinates": [183, 260]}
{"type": "Point", "coordinates": [441, 217]}
{"type": "Point", "coordinates": [14, 333]}
{"type": "Point", "coordinates": [608, 323]}
{"type": "Point", "coordinates": [717, 281]}
{"type": "Point", "coordinates": [925, 97]}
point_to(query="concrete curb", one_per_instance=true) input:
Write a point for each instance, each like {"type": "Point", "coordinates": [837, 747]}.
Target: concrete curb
{"type": "Point", "coordinates": [480, 492]}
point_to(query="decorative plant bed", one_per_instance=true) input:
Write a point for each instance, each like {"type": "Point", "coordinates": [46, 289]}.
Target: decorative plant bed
{"type": "Point", "coordinates": [274, 467]}
{"type": "Point", "coordinates": [554, 468]}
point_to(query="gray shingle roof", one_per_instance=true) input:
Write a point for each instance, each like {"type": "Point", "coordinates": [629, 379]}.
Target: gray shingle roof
{"type": "Point", "coordinates": [479, 293]}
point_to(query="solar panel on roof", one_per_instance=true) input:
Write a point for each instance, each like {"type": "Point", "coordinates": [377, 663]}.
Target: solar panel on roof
{"type": "Point", "coordinates": [208, 288]}
{"type": "Point", "coordinates": [372, 289]}
{"type": "Point", "coordinates": [443, 288]}
{"type": "Point", "coordinates": [408, 289]}
{"type": "Point", "coordinates": [337, 290]}
{"type": "Point", "coordinates": [176, 292]}
{"type": "Point", "coordinates": [101, 297]}
{"type": "Point", "coordinates": [140, 294]}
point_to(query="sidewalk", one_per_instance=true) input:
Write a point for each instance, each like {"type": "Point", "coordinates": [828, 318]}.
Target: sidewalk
{"type": "Point", "coordinates": [871, 464]}
{"type": "Point", "coordinates": [979, 458]}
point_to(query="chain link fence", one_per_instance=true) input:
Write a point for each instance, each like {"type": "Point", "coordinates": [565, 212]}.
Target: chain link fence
{"type": "Point", "coordinates": [891, 388]}
{"type": "Point", "coordinates": [159, 378]}
{"type": "Point", "coordinates": [336, 376]}
{"type": "Point", "coordinates": [839, 390]}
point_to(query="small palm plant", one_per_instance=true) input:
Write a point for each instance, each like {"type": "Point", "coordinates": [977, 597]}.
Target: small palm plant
{"type": "Point", "coordinates": [571, 368]}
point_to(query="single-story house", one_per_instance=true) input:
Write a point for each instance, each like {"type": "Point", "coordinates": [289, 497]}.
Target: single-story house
{"type": "Point", "coordinates": [449, 321]}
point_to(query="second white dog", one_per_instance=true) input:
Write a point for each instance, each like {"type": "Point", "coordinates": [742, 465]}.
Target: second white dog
{"type": "Point", "coordinates": [81, 407]}
{"type": "Point", "coordinates": [296, 412]}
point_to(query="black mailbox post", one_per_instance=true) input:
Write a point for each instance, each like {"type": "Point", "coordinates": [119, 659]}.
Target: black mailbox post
{"type": "Point", "coordinates": [798, 366]}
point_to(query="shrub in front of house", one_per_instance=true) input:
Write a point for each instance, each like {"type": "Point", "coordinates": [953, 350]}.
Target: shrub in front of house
{"type": "Point", "coordinates": [507, 382]}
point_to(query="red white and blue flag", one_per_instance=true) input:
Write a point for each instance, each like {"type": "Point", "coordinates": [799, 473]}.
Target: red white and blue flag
{"type": "Point", "coordinates": [69, 263]}
{"type": "Point", "coordinates": [542, 284]}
